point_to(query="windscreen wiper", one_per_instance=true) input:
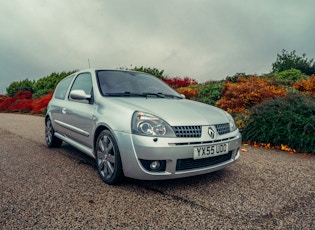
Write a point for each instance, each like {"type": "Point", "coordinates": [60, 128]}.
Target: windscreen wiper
{"type": "Point", "coordinates": [154, 94]}
{"type": "Point", "coordinates": [146, 94]}
{"type": "Point", "coordinates": [163, 95]}
{"type": "Point", "coordinates": [174, 96]}
{"type": "Point", "coordinates": [124, 94]}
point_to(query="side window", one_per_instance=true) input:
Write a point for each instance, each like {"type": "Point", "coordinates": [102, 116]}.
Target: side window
{"type": "Point", "coordinates": [62, 87]}
{"type": "Point", "coordinates": [83, 82]}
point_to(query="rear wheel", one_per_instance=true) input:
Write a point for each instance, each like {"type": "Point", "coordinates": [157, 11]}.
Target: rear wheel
{"type": "Point", "coordinates": [51, 140]}
{"type": "Point", "coordinates": [108, 159]}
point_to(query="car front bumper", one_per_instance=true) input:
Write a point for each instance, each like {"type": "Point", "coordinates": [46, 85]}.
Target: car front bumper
{"type": "Point", "coordinates": [175, 153]}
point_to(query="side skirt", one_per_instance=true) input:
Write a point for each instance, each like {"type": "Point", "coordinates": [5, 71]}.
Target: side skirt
{"type": "Point", "coordinates": [77, 145]}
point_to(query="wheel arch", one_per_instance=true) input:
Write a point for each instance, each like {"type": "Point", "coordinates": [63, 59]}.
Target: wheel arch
{"type": "Point", "coordinates": [118, 164]}
{"type": "Point", "coordinates": [98, 130]}
{"type": "Point", "coordinates": [46, 117]}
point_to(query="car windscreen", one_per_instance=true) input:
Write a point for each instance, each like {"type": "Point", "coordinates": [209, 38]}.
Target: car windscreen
{"type": "Point", "coordinates": [128, 83]}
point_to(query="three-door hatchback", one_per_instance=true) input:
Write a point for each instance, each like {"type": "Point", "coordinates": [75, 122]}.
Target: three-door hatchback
{"type": "Point", "coordinates": [135, 125]}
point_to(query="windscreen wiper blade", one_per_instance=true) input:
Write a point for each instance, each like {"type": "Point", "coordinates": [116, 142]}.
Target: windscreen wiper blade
{"type": "Point", "coordinates": [154, 94]}
{"type": "Point", "coordinates": [146, 94]}
{"type": "Point", "coordinates": [173, 96]}
{"type": "Point", "coordinates": [163, 95]}
{"type": "Point", "coordinates": [124, 94]}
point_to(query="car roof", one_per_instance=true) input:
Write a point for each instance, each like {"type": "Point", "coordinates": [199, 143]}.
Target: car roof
{"type": "Point", "coordinates": [106, 69]}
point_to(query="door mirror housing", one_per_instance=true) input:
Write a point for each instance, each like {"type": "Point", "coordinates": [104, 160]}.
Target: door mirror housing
{"type": "Point", "coordinates": [79, 94]}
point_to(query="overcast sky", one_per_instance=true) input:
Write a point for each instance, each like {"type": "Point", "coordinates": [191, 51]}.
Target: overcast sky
{"type": "Point", "coordinates": [201, 39]}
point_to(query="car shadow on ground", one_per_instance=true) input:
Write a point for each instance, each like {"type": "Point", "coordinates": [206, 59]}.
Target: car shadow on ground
{"type": "Point", "coordinates": [75, 154]}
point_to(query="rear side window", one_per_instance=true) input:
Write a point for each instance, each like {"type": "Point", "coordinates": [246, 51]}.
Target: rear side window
{"type": "Point", "coordinates": [61, 90]}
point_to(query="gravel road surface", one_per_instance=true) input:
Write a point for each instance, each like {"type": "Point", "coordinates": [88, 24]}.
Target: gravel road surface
{"type": "Point", "coordinates": [45, 188]}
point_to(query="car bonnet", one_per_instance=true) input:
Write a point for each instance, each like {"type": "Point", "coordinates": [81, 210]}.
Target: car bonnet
{"type": "Point", "coordinates": [176, 111]}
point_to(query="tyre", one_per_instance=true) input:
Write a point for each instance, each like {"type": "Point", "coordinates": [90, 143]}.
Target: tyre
{"type": "Point", "coordinates": [51, 140]}
{"type": "Point", "coordinates": [108, 159]}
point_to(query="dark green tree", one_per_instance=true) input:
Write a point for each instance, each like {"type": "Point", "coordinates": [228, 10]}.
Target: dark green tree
{"type": "Point", "coordinates": [40, 87]}
{"type": "Point", "coordinates": [47, 84]}
{"type": "Point", "coordinates": [16, 86]}
{"type": "Point", "coordinates": [153, 71]}
{"type": "Point", "coordinates": [290, 60]}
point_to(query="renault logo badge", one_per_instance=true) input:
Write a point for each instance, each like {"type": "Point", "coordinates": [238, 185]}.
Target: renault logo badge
{"type": "Point", "coordinates": [211, 133]}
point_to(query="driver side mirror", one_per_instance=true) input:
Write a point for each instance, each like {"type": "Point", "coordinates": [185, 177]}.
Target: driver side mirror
{"type": "Point", "coordinates": [79, 94]}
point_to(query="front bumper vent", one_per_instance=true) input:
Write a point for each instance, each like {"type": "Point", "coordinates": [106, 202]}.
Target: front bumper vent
{"type": "Point", "coordinates": [190, 163]}
{"type": "Point", "coordinates": [187, 131]}
{"type": "Point", "coordinates": [223, 128]}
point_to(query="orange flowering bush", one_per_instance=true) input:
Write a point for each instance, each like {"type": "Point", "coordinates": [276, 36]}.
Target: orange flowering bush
{"type": "Point", "coordinates": [247, 92]}
{"type": "Point", "coordinates": [20, 95]}
{"type": "Point", "coordinates": [306, 86]}
{"type": "Point", "coordinates": [22, 102]}
{"type": "Point", "coordinates": [177, 82]}
{"type": "Point", "coordinates": [39, 105]}
{"type": "Point", "coordinates": [2, 97]}
{"type": "Point", "coordinates": [5, 104]}
{"type": "Point", "coordinates": [190, 93]}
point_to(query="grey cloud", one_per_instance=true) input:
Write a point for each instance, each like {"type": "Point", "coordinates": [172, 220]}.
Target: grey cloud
{"type": "Point", "coordinates": [204, 39]}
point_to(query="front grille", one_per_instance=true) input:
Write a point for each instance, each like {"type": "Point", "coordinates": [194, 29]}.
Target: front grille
{"type": "Point", "coordinates": [223, 128]}
{"type": "Point", "coordinates": [190, 163]}
{"type": "Point", "coordinates": [187, 131]}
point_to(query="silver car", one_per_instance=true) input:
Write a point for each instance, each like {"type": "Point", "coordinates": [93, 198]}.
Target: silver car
{"type": "Point", "coordinates": [135, 125]}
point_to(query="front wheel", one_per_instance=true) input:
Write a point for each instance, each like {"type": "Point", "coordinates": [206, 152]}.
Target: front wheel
{"type": "Point", "coordinates": [51, 140]}
{"type": "Point", "coordinates": [108, 159]}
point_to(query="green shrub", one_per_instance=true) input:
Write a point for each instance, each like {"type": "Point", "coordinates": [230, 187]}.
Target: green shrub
{"type": "Point", "coordinates": [289, 121]}
{"type": "Point", "coordinates": [287, 78]}
{"type": "Point", "coordinates": [240, 119]}
{"type": "Point", "coordinates": [236, 77]}
{"type": "Point", "coordinates": [210, 92]}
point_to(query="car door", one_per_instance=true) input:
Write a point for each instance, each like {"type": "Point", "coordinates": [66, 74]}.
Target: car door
{"type": "Point", "coordinates": [78, 115]}
{"type": "Point", "coordinates": [60, 101]}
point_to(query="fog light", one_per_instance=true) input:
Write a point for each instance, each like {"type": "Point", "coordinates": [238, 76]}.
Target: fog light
{"type": "Point", "coordinates": [155, 165]}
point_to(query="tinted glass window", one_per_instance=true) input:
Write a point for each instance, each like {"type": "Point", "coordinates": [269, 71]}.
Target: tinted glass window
{"type": "Point", "coordinates": [62, 87]}
{"type": "Point", "coordinates": [83, 82]}
{"type": "Point", "coordinates": [116, 82]}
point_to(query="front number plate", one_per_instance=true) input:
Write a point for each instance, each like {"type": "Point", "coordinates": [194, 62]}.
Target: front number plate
{"type": "Point", "coordinates": [210, 151]}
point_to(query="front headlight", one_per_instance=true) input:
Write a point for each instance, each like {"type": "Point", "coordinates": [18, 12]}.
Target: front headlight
{"type": "Point", "coordinates": [149, 125]}
{"type": "Point", "coordinates": [231, 121]}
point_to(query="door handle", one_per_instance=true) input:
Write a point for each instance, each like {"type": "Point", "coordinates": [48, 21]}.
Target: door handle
{"type": "Point", "coordinates": [64, 110]}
